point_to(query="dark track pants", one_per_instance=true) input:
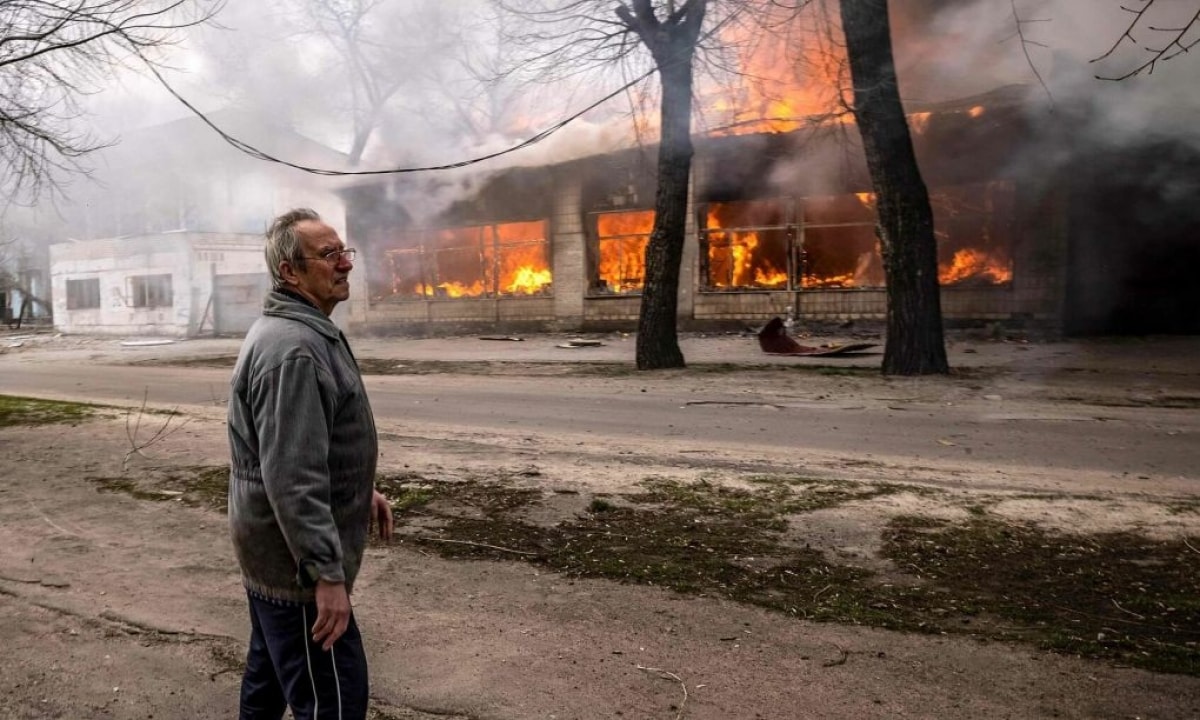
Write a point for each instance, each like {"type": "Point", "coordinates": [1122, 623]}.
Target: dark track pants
{"type": "Point", "coordinates": [285, 668]}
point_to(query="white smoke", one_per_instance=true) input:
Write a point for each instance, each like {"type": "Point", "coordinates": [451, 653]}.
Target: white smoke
{"type": "Point", "coordinates": [977, 46]}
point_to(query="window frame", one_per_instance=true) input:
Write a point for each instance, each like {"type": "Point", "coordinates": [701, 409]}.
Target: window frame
{"type": "Point", "coordinates": [595, 240]}
{"type": "Point", "coordinates": [490, 250]}
{"type": "Point", "coordinates": [88, 288]}
{"type": "Point", "coordinates": [145, 292]}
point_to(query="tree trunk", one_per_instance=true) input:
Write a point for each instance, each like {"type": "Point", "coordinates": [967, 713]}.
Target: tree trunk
{"type": "Point", "coordinates": [673, 45]}
{"type": "Point", "coordinates": [657, 338]}
{"type": "Point", "coordinates": [915, 343]}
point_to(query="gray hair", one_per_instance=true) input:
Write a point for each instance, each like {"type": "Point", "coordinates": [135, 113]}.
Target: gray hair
{"type": "Point", "coordinates": [283, 243]}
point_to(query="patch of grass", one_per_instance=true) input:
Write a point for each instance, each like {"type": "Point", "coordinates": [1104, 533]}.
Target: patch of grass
{"type": "Point", "coordinates": [601, 505]}
{"type": "Point", "coordinates": [1182, 507]}
{"type": "Point", "coordinates": [845, 370]}
{"type": "Point", "coordinates": [410, 492]}
{"type": "Point", "coordinates": [1116, 596]}
{"type": "Point", "coordinates": [1120, 597]}
{"type": "Point", "coordinates": [1113, 595]}
{"type": "Point", "coordinates": [199, 486]}
{"type": "Point", "coordinates": [16, 411]}
{"type": "Point", "coordinates": [131, 488]}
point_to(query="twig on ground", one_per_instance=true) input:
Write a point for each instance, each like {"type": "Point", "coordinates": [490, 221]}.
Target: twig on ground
{"type": "Point", "coordinates": [671, 676]}
{"type": "Point", "coordinates": [51, 523]}
{"type": "Point", "coordinates": [1193, 549]}
{"type": "Point", "coordinates": [161, 434]}
{"type": "Point", "coordinates": [1117, 605]}
{"type": "Point", "coordinates": [474, 544]}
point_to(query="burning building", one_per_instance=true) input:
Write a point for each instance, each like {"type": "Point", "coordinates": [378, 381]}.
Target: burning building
{"type": "Point", "coordinates": [780, 221]}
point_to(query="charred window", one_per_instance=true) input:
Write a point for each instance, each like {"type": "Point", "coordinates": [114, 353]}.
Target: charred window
{"type": "Point", "coordinates": [619, 257]}
{"type": "Point", "coordinates": [974, 229]}
{"type": "Point", "coordinates": [150, 291]}
{"type": "Point", "coordinates": [838, 246]}
{"type": "Point", "coordinates": [83, 294]}
{"type": "Point", "coordinates": [745, 245]}
{"type": "Point", "coordinates": [830, 241]}
{"type": "Point", "coordinates": [505, 259]}
{"type": "Point", "coordinates": [457, 267]}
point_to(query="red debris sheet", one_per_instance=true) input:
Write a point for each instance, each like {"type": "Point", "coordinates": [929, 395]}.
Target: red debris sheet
{"type": "Point", "coordinates": [774, 340]}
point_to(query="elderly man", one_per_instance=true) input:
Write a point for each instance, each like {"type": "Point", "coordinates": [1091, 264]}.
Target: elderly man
{"type": "Point", "coordinates": [302, 496]}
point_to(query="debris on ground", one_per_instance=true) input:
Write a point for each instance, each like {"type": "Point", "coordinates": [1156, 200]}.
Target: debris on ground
{"type": "Point", "coordinates": [774, 340]}
{"type": "Point", "coordinates": [580, 343]}
{"type": "Point", "coordinates": [147, 343]}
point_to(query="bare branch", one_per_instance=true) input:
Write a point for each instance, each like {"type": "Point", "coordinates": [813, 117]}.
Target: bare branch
{"type": "Point", "coordinates": [1177, 42]}
{"type": "Point", "coordinates": [54, 52]}
{"type": "Point", "coordinates": [1025, 43]}
{"type": "Point", "coordinates": [137, 445]}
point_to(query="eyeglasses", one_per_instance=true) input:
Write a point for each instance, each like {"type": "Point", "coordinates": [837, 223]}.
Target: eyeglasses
{"type": "Point", "coordinates": [333, 257]}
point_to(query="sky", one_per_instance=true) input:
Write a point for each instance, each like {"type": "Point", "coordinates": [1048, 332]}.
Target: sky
{"type": "Point", "coordinates": [440, 61]}
{"type": "Point", "coordinates": [266, 59]}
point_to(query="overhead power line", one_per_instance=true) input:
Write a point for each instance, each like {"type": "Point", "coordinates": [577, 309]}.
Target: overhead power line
{"type": "Point", "coordinates": [255, 152]}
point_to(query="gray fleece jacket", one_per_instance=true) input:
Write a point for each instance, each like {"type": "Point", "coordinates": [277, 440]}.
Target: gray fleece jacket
{"type": "Point", "coordinates": [303, 450]}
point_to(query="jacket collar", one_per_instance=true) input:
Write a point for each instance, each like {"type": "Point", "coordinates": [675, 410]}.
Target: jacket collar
{"type": "Point", "coordinates": [289, 305]}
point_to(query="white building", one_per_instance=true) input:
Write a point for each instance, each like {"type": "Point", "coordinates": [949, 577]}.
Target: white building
{"type": "Point", "coordinates": [177, 284]}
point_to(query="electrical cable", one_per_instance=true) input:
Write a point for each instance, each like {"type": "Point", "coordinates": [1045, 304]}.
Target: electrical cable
{"type": "Point", "coordinates": [255, 152]}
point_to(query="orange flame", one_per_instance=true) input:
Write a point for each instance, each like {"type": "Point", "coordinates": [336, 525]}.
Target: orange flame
{"type": "Point", "coordinates": [528, 281]}
{"type": "Point", "coordinates": [969, 263]}
{"type": "Point", "coordinates": [778, 90]}
{"type": "Point", "coordinates": [621, 265]}
{"type": "Point", "coordinates": [451, 289]}
{"type": "Point", "coordinates": [739, 253]}
{"type": "Point", "coordinates": [505, 259]}
{"type": "Point", "coordinates": [524, 267]}
{"type": "Point", "coordinates": [919, 121]}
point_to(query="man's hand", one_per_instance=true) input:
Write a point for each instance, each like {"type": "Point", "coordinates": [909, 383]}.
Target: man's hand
{"type": "Point", "coordinates": [381, 515]}
{"type": "Point", "coordinates": [333, 613]}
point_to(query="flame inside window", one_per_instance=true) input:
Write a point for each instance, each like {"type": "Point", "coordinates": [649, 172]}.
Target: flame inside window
{"type": "Point", "coordinates": [839, 248]}
{"type": "Point", "coordinates": [746, 245]}
{"type": "Point", "coordinates": [621, 239]}
{"type": "Point", "coordinates": [973, 225]}
{"type": "Point", "coordinates": [504, 259]}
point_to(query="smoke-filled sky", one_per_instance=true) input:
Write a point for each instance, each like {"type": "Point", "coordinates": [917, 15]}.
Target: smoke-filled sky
{"type": "Point", "coordinates": [438, 64]}
{"type": "Point", "coordinates": [268, 60]}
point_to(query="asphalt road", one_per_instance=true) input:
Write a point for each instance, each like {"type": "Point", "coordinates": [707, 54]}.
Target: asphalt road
{"type": "Point", "coordinates": [1007, 438]}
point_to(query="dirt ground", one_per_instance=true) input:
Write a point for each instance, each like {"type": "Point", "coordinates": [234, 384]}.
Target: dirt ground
{"type": "Point", "coordinates": [121, 599]}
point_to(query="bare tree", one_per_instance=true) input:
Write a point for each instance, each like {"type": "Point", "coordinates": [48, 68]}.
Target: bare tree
{"type": "Point", "coordinates": [375, 66]}
{"type": "Point", "coordinates": [915, 342]}
{"type": "Point", "coordinates": [389, 73]}
{"type": "Point", "coordinates": [15, 265]}
{"type": "Point", "coordinates": [574, 38]}
{"type": "Point", "coordinates": [53, 53]}
{"type": "Point", "coordinates": [672, 43]}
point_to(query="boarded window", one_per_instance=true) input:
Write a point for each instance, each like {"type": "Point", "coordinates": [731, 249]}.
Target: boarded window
{"type": "Point", "coordinates": [150, 291]}
{"type": "Point", "coordinates": [83, 294]}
